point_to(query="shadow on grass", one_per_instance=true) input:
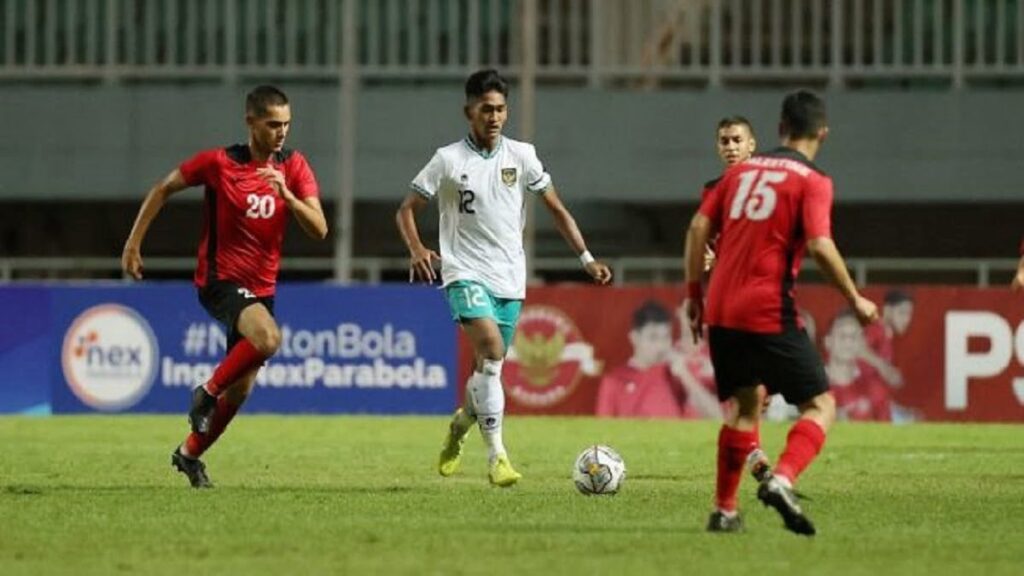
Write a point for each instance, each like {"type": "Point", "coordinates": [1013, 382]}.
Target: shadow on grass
{"type": "Point", "coordinates": [17, 490]}
{"type": "Point", "coordinates": [540, 527]}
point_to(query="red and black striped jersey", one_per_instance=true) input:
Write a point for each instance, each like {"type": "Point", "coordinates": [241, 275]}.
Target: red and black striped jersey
{"type": "Point", "coordinates": [244, 218]}
{"type": "Point", "coordinates": [766, 208]}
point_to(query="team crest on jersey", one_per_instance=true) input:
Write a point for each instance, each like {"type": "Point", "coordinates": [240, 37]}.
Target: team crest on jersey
{"type": "Point", "coordinates": [547, 358]}
{"type": "Point", "coordinates": [508, 176]}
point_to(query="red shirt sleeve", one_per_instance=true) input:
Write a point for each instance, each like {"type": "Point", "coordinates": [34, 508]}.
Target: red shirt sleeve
{"type": "Point", "coordinates": [817, 208]}
{"type": "Point", "coordinates": [706, 191]}
{"type": "Point", "coordinates": [711, 203]}
{"type": "Point", "coordinates": [200, 168]}
{"type": "Point", "coordinates": [300, 178]}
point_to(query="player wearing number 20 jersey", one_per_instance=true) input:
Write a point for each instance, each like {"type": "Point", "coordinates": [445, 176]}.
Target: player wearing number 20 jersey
{"type": "Point", "coordinates": [250, 189]}
{"type": "Point", "coordinates": [766, 208]}
{"type": "Point", "coordinates": [244, 218]}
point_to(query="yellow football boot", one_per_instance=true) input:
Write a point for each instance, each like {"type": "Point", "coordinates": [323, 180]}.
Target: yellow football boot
{"type": "Point", "coordinates": [502, 473]}
{"type": "Point", "coordinates": [451, 452]}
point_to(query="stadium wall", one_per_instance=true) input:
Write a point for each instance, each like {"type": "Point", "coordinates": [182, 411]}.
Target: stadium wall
{"type": "Point", "coordinates": [111, 141]}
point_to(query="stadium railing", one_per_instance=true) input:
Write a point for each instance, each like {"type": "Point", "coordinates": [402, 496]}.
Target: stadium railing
{"type": "Point", "coordinates": [595, 42]}
{"type": "Point", "coordinates": [627, 270]}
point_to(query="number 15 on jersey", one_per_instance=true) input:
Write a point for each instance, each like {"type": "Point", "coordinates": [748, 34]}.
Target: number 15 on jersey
{"type": "Point", "coordinates": [755, 198]}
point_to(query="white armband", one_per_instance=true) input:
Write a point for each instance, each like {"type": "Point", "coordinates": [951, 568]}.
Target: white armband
{"type": "Point", "coordinates": [586, 257]}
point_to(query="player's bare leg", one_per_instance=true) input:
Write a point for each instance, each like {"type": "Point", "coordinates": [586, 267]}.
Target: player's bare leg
{"type": "Point", "coordinates": [803, 443]}
{"type": "Point", "coordinates": [737, 440]}
{"type": "Point", "coordinates": [186, 457]}
{"type": "Point", "coordinates": [260, 340]}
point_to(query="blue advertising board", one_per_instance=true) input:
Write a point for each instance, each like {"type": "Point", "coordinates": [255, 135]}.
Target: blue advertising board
{"type": "Point", "coordinates": [142, 347]}
{"type": "Point", "coordinates": [25, 345]}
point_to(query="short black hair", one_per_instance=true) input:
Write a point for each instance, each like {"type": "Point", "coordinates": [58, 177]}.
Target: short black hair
{"type": "Point", "coordinates": [483, 81]}
{"type": "Point", "coordinates": [895, 297]}
{"type": "Point", "coordinates": [803, 114]}
{"type": "Point", "coordinates": [263, 97]}
{"type": "Point", "coordinates": [650, 312]}
{"type": "Point", "coordinates": [736, 120]}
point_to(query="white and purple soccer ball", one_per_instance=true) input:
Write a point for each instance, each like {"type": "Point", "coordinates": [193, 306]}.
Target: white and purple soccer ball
{"type": "Point", "coordinates": [599, 470]}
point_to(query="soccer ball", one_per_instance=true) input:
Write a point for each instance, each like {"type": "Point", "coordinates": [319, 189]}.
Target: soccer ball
{"type": "Point", "coordinates": [599, 470]}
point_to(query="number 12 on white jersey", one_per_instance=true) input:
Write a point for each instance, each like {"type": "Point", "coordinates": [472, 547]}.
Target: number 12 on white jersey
{"type": "Point", "coordinates": [755, 197]}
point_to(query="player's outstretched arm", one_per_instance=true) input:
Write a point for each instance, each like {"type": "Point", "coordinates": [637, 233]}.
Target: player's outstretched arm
{"type": "Point", "coordinates": [825, 253]}
{"type": "Point", "coordinates": [421, 258]}
{"type": "Point", "coordinates": [693, 267]}
{"type": "Point", "coordinates": [131, 255]}
{"type": "Point", "coordinates": [567, 227]}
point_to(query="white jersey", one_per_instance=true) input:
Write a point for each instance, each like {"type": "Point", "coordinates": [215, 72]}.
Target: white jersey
{"type": "Point", "coordinates": [481, 198]}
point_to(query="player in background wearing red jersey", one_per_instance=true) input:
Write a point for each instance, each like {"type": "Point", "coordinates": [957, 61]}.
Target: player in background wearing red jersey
{"type": "Point", "coordinates": [768, 211]}
{"type": "Point", "coordinates": [734, 143]}
{"type": "Point", "coordinates": [249, 191]}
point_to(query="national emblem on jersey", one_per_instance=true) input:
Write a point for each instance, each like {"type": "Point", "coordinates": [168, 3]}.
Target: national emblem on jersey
{"type": "Point", "coordinates": [481, 197]}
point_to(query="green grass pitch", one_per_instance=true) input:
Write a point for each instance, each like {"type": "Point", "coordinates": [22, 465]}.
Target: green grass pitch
{"type": "Point", "coordinates": [360, 495]}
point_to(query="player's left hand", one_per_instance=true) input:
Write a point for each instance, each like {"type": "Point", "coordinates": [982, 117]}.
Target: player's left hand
{"type": "Point", "coordinates": [695, 314]}
{"type": "Point", "coordinates": [599, 271]}
{"type": "Point", "coordinates": [131, 261]}
{"type": "Point", "coordinates": [709, 258]}
{"type": "Point", "coordinates": [275, 178]}
{"type": "Point", "coordinates": [1018, 281]}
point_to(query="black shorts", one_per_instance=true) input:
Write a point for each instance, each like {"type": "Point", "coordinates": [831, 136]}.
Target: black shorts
{"type": "Point", "coordinates": [786, 363]}
{"type": "Point", "coordinates": [225, 300]}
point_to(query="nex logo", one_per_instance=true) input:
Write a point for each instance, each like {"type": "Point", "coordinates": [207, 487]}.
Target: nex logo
{"type": "Point", "coordinates": [962, 364]}
{"type": "Point", "coordinates": [109, 356]}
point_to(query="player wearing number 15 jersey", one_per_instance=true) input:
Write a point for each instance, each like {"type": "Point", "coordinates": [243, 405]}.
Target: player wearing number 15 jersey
{"type": "Point", "coordinates": [249, 191]}
{"type": "Point", "coordinates": [482, 183]}
{"type": "Point", "coordinates": [769, 210]}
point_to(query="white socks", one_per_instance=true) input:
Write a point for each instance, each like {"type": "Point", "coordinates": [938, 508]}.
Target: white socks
{"type": "Point", "coordinates": [487, 398]}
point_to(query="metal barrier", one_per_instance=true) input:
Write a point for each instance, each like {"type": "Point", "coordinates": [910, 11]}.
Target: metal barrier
{"type": "Point", "coordinates": [594, 41]}
{"type": "Point", "coordinates": [627, 270]}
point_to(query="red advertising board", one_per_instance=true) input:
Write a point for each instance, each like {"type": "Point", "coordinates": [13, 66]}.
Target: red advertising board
{"type": "Point", "coordinates": [941, 354]}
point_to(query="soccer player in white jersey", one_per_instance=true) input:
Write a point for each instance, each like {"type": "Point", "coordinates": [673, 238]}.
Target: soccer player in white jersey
{"type": "Point", "coordinates": [481, 184]}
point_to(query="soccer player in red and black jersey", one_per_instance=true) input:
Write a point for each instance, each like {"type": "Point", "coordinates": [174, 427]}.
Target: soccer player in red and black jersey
{"type": "Point", "coordinates": [249, 191]}
{"type": "Point", "coordinates": [769, 210]}
{"type": "Point", "coordinates": [734, 143]}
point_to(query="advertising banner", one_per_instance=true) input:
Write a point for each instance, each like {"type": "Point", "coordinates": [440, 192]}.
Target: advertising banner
{"type": "Point", "coordinates": [143, 347]}
{"type": "Point", "coordinates": [938, 354]}
{"type": "Point", "coordinates": [25, 349]}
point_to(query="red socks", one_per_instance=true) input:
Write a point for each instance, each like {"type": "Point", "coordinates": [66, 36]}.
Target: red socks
{"type": "Point", "coordinates": [196, 444]}
{"type": "Point", "coordinates": [240, 359]}
{"type": "Point", "coordinates": [733, 447]}
{"type": "Point", "coordinates": [802, 445]}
